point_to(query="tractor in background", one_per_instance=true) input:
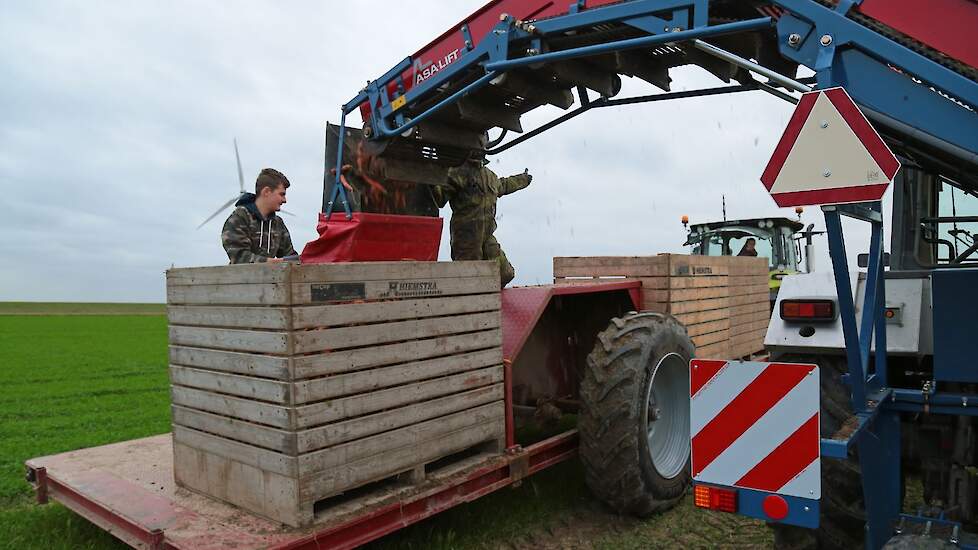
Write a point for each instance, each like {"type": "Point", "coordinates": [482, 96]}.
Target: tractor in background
{"type": "Point", "coordinates": [778, 239]}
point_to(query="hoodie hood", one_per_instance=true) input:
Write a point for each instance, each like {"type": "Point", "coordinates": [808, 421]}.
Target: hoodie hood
{"type": "Point", "coordinates": [245, 199]}
{"type": "Point", "coordinates": [248, 201]}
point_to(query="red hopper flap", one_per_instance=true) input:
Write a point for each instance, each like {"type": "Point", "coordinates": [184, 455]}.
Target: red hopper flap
{"type": "Point", "coordinates": [374, 238]}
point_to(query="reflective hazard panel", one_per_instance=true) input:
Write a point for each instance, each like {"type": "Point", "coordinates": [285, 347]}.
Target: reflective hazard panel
{"type": "Point", "coordinates": [829, 154]}
{"type": "Point", "coordinates": [755, 426]}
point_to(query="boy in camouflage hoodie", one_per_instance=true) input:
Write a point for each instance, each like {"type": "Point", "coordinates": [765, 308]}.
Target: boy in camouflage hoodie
{"type": "Point", "coordinates": [253, 233]}
{"type": "Point", "coordinates": [472, 190]}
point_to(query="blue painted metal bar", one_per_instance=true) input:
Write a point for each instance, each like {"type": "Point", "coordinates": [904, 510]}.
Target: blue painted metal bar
{"type": "Point", "coordinates": [878, 437]}
{"type": "Point", "coordinates": [961, 402]}
{"type": "Point", "coordinates": [623, 12]}
{"type": "Point", "coordinates": [868, 212]}
{"type": "Point", "coordinates": [847, 308]}
{"type": "Point", "coordinates": [834, 448]}
{"type": "Point", "coordinates": [847, 32]}
{"type": "Point", "coordinates": [862, 61]}
{"type": "Point", "coordinates": [495, 68]}
{"type": "Point", "coordinates": [839, 448]}
{"type": "Point", "coordinates": [339, 192]}
{"type": "Point", "coordinates": [879, 458]}
{"type": "Point", "coordinates": [874, 274]}
{"type": "Point", "coordinates": [802, 512]}
{"type": "Point", "coordinates": [633, 43]}
{"type": "Point", "coordinates": [606, 102]}
{"type": "Point", "coordinates": [880, 375]}
{"type": "Point", "coordinates": [384, 131]}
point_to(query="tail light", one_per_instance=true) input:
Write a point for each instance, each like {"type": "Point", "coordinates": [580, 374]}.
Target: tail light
{"type": "Point", "coordinates": [808, 310]}
{"type": "Point", "coordinates": [715, 498]}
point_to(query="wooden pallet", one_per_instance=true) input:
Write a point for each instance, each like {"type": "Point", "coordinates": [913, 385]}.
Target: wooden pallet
{"type": "Point", "coordinates": [293, 384]}
{"type": "Point", "coordinates": [720, 300]}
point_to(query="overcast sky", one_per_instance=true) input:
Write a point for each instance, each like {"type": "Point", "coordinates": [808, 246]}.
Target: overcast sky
{"type": "Point", "coordinates": [117, 120]}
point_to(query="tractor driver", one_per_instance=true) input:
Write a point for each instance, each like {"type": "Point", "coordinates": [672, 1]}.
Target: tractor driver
{"type": "Point", "coordinates": [472, 190]}
{"type": "Point", "coordinates": [253, 233]}
{"type": "Point", "coordinates": [749, 249]}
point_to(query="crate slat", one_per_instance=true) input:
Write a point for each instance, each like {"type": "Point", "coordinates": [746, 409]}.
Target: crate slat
{"type": "Point", "coordinates": [374, 312]}
{"type": "Point", "coordinates": [413, 435]}
{"type": "Point", "coordinates": [269, 318]}
{"type": "Point", "coordinates": [331, 292]}
{"type": "Point", "coordinates": [318, 389]}
{"type": "Point", "coordinates": [383, 333]}
{"type": "Point", "coordinates": [274, 439]}
{"type": "Point", "coordinates": [252, 364]}
{"type": "Point", "coordinates": [266, 342]}
{"type": "Point", "coordinates": [711, 338]}
{"type": "Point", "coordinates": [259, 389]}
{"type": "Point", "coordinates": [264, 294]}
{"type": "Point", "coordinates": [347, 430]}
{"type": "Point", "coordinates": [246, 409]}
{"type": "Point", "coordinates": [338, 362]}
{"type": "Point", "coordinates": [708, 327]}
{"type": "Point", "coordinates": [316, 414]}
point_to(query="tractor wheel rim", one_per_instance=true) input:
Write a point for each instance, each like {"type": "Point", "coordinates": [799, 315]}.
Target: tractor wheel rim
{"type": "Point", "coordinates": [666, 415]}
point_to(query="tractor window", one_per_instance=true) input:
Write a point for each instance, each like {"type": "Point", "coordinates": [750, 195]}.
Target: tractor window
{"type": "Point", "coordinates": [953, 232]}
{"type": "Point", "coordinates": [762, 245]}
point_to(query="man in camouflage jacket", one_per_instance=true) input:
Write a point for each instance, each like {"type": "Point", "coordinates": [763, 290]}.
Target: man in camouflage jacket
{"type": "Point", "coordinates": [253, 233]}
{"type": "Point", "coordinates": [472, 190]}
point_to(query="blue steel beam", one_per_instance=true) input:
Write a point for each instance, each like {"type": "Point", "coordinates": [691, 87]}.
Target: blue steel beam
{"type": "Point", "coordinates": [633, 43]}
{"type": "Point", "coordinates": [878, 436]}
{"type": "Point", "coordinates": [496, 68]}
{"type": "Point", "coordinates": [845, 32]}
{"type": "Point", "coordinates": [845, 53]}
{"type": "Point", "coordinates": [847, 308]}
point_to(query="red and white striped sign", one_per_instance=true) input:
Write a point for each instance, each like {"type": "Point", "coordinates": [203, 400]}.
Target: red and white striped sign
{"type": "Point", "coordinates": [756, 426]}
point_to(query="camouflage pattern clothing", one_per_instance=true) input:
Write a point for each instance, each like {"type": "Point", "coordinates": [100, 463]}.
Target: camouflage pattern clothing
{"type": "Point", "coordinates": [250, 238]}
{"type": "Point", "coordinates": [472, 190]}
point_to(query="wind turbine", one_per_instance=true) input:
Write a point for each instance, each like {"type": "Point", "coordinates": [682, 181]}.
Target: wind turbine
{"type": "Point", "coordinates": [241, 190]}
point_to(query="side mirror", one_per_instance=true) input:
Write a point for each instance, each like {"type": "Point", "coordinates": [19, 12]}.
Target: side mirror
{"type": "Point", "coordinates": [863, 260]}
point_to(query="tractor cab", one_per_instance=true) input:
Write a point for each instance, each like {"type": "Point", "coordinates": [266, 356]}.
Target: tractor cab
{"type": "Point", "coordinates": [774, 238]}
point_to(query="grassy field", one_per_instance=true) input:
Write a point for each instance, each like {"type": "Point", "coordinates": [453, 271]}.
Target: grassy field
{"type": "Point", "coordinates": [61, 308]}
{"type": "Point", "coordinates": [97, 374]}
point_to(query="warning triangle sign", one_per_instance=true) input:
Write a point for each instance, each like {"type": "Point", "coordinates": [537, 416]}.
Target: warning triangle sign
{"type": "Point", "coordinates": [829, 154]}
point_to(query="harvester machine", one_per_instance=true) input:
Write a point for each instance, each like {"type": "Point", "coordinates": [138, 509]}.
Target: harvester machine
{"type": "Point", "coordinates": [911, 71]}
{"type": "Point", "coordinates": [906, 367]}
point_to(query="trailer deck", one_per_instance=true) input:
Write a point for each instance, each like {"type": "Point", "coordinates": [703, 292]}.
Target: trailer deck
{"type": "Point", "coordinates": [128, 490]}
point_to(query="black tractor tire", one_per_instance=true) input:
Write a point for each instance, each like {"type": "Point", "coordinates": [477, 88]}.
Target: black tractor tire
{"type": "Point", "coordinates": [843, 518]}
{"type": "Point", "coordinates": [616, 413]}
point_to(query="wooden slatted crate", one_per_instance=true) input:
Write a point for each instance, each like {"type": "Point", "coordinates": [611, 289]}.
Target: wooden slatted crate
{"type": "Point", "coordinates": [722, 301]}
{"type": "Point", "coordinates": [292, 384]}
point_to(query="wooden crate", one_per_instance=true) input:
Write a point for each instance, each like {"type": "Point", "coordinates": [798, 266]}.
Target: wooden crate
{"type": "Point", "coordinates": [722, 301]}
{"type": "Point", "coordinates": [292, 384]}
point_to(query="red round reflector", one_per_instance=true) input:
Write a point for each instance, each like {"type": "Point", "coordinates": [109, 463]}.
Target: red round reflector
{"type": "Point", "coordinates": [775, 507]}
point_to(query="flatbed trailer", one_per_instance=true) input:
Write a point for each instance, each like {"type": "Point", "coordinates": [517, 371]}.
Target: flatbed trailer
{"type": "Point", "coordinates": [128, 488]}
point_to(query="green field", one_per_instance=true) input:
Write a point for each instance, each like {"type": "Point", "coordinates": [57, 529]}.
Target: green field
{"type": "Point", "coordinates": [97, 374]}
{"type": "Point", "coordinates": [61, 308]}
